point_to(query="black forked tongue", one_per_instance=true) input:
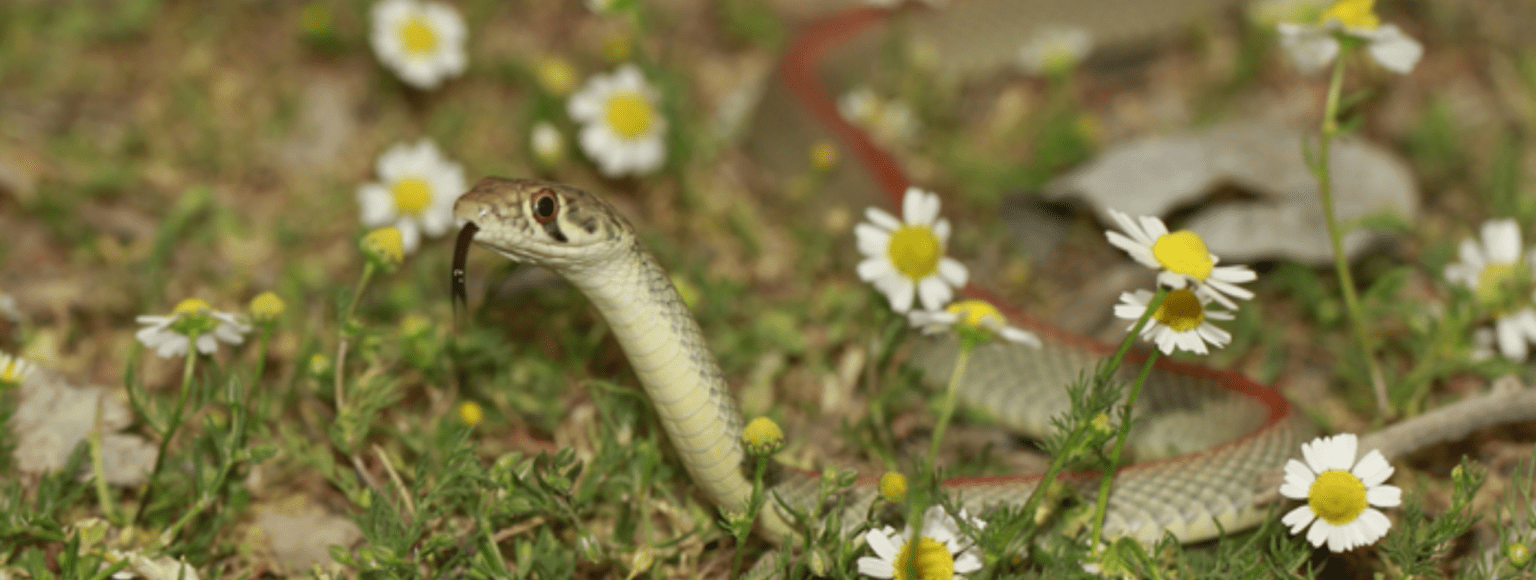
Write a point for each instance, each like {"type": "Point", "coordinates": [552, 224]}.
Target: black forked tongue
{"type": "Point", "coordinates": [460, 254]}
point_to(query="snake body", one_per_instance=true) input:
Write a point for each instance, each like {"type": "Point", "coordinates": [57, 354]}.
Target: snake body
{"type": "Point", "coordinates": [1212, 483]}
{"type": "Point", "coordinates": [1211, 443]}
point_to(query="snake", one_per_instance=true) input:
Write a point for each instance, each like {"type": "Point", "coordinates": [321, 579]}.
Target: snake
{"type": "Point", "coordinates": [1209, 444]}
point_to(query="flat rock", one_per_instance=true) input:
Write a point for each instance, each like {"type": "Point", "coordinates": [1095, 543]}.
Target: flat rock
{"type": "Point", "coordinates": [53, 416]}
{"type": "Point", "coordinates": [1159, 174]}
{"type": "Point", "coordinates": [300, 536]}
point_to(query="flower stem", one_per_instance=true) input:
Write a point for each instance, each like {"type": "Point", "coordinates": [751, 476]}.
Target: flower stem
{"type": "Point", "coordinates": [170, 428]}
{"type": "Point", "coordinates": [345, 339]}
{"type": "Point", "coordinates": [1102, 504]}
{"type": "Point", "coordinates": [261, 362]}
{"type": "Point", "coordinates": [1321, 168]}
{"type": "Point", "coordinates": [1130, 336]}
{"type": "Point", "coordinates": [1075, 438]}
{"type": "Point", "coordinates": [948, 409]}
{"type": "Point", "coordinates": [740, 529]}
{"type": "Point", "coordinates": [99, 470]}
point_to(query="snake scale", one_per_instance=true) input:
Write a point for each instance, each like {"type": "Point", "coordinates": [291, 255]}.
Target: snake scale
{"type": "Point", "coordinates": [1211, 442]}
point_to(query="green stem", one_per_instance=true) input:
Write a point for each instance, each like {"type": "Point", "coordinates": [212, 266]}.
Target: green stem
{"type": "Point", "coordinates": [1074, 439]}
{"type": "Point", "coordinates": [1100, 506]}
{"type": "Point", "coordinates": [1329, 129]}
{"type": "Point", "coordinates": [261, 361]}
{"type": "Point", "coordinates": [170, 429]}
{"type": "Point", "coordinates": [341, 348]}
{"type": "Point", "coordinates": [755, 504]}
{"type": "Point", "coordinates": [99, 470]}
{"type": "Point", "coordinates": [1130, 336]}
{"type": "Point", "coordinates": [948, 408]}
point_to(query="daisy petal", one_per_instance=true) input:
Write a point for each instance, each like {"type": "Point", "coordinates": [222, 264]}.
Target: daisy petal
{"type": "Point", "coordinates": [1298, 518]}
{"type": "Point", "coordinates": [1372, 469]}
{"type": "Point", "coordinates": [1384, 496]}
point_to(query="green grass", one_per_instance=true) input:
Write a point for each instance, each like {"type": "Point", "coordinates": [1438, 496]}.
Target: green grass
{"type": "Point", "coordinates": [189, 151]}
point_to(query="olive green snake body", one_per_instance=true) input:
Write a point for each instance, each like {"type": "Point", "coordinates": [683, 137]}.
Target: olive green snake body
{"type": "Point", "coordinates": [1217, 441]}
{"type": "Point", "coordinates": [1210, 444]}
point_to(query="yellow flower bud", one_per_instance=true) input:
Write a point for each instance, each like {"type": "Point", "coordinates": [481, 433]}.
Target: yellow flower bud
{"type": "Point", "coordinates": [640, 562]}
{"type": "Point", "coordinates": [1518, 554]}
{"type": "Point", "coordinates": [893, 487]}
{"type": "Point", "coordinates": [471, 413]}
{"type": "Point", "coordinates": [319, 365]}
{"type": "Point", "coordinates": [762, 436]}
{"type": "Point", "coordinates": [267, 307]}
{"type": "Point", "coordinates": [556, 75]}
{"type": "Point", "coordinates": [823, 155]}
{"type": "Point", "coordinates": [384, 246]}
{"type": "Point", "coordinates": [414, 325]}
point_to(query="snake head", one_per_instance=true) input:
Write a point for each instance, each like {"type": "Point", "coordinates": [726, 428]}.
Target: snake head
{"type": "Point", "coordinates": [543, 223]}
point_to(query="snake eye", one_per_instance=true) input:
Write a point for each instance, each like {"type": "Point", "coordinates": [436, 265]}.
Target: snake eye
{"type": "Point", "coordinates": [544, 205]}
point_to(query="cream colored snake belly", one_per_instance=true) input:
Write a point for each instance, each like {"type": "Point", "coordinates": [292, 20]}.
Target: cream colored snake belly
{"type": "Point", "coordinates": [1212, 443]}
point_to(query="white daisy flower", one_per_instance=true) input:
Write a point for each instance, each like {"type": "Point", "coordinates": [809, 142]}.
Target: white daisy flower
{"type": "Point", "coordinates": [1054, 48]}
{"type": "Point", "coordinates": [971, 315]}
{"type": "Point", "coordinates": [13, 370]}
{"type": "Point", "coordinates": [939, 550]}
{"type": "Point", "coordinates": [905, 258]}
{"type": "Point", "coordinates": [1340, 493]}
{"type": "Point", "coordinates": [547, 144]}
{"type": "Point", "coordinates": [1181, 322]}
{"type": "Point", "coordinates": [888, 120]}
{"type": "Point", "coordinates": [423, 42]}
{"type": "Point", "coordinates": [1501, 279]}
{"type": "Point", "coordinates": [622, 126]}
{"type": "Point", "coordinates": [1313, 46]}
{"type": "Point", "coordinates": [415, 193]}
{"type": "Point", "coordinates": [172, 335]}
{"type": "Point", "coordinates": [1182, 258]}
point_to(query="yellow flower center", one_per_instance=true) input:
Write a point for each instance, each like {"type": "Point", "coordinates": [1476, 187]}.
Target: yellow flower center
{"type": "Point", "coordinates": [630, 115]}
{"type": "Point", "coordinates": [1180, 311]}
{"type": "Point", "coordinates": [10, 372]}
{"type": "Point", "coordinates": [977, 314]}
{"type": "Point", "coordinates": [191, 306]}
{"type": "Point", "coordinates": [192, 318]}
{"type": "Point", "coordinates": [762, 436]}
{"type": "Point", "coordinates": [1500, 288]}
{"type": "Point", "coordinates": [412, 195]}
{"type": "Point", "coordinates": [927, 557]}
{"type": "Point", "coordinates": [1337, 496]}
{"type": "Point", "coordinates": [893, 487]}
{"type": "Point", "coordinates": [418, 37]}
{"type": "Point", "coordinates": [1353, 14]}
{"type": "Point", "coordinates": [471, 413]}
{"type": "Point", "coordinates": [915, 251]}
{"type": "Point", "coordinates": [1183, 252]}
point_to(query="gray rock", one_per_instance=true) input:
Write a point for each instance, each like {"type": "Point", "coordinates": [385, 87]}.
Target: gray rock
{"type": "Point", "coordinates": [1159, 174]}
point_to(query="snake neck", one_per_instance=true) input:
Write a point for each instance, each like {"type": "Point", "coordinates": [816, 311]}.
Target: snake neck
{"type": "Point", "coordinates": [674, 364]}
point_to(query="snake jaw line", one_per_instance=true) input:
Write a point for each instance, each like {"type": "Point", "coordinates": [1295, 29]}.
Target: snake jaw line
{"type": "Point", "coordinates": [582, 229]}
